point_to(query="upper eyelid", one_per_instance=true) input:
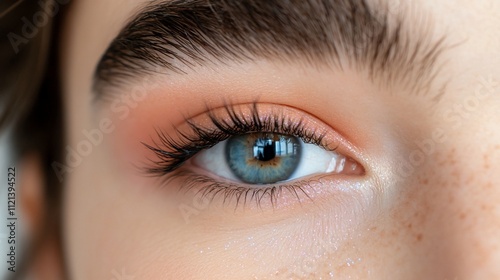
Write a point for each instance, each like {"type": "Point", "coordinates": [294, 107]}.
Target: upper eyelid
{"type": "Point", "coordinates": [167, 147]}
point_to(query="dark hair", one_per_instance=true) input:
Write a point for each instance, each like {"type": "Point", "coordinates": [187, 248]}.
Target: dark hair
{"type": "Point", "coordinates": [30, 100]}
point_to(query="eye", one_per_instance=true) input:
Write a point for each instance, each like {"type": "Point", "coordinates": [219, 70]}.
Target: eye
{"type": "Point", "coordinates": [242, 152]}
{"type": "Point", "coordinates": [268, 158]}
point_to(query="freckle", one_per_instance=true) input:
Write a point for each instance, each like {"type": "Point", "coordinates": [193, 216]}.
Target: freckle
{"type": "Point", "coordinates": [462, 216]}
{"type": "Point", "coordinates": [469, 180]}
{"type": "Point", "coordinates": [450, 159]}
{"type": "Point", "coordinates": [419, 237]}
{"type": "Point", "coordinates": [486, 161]}
{"type": "Point", "coordinates": [416, 214]}
{"type": "Point", "coordinates": [409, 226]}
{"type": "Point", "coordinates": [451, 155]}
{"type": "Point", "coordinates": [424, 181]}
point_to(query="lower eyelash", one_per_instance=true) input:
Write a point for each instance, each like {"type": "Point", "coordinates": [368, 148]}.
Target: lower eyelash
{"type": "Point", "coordinates": [211, 189]}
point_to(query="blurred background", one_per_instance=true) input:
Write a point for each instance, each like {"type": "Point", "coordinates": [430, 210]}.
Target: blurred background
{"type": "Point", "coordinates": [30, 118]}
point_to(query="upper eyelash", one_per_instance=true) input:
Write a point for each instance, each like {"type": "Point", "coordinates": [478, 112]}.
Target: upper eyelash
{"type": "Point", "coordinates": [173, 153]}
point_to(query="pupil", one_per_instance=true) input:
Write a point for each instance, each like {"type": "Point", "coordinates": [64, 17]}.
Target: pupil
{"type": "Point", "coordinates": [264, 149]}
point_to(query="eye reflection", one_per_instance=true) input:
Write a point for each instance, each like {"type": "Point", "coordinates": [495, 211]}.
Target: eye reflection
{"type": "Point", "coordinates": [263, 158]}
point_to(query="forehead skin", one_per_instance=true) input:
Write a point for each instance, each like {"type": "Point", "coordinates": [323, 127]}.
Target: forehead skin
{"type": "Point", "coordinates": [442, 221]}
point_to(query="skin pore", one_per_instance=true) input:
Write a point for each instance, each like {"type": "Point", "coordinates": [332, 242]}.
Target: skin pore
{"type": "Point", "coordinates": [425, 207]}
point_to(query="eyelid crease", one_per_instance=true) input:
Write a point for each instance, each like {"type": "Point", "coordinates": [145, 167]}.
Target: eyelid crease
{"type": "Point", "coordinates": [230, 120]}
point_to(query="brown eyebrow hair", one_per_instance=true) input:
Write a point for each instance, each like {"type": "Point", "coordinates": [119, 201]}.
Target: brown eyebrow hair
{"type": "Point", "coordinates": [198, 32]}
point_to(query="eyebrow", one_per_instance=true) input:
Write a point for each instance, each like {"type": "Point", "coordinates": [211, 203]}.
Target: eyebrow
{"type": "Point", "coordinates": [192, 33]}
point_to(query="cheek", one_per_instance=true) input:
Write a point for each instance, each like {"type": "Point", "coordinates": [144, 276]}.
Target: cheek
{"type": "Point", "coordinates": [110, 223]}
{"type": "Point", "coordinates": [113, 226]}
{"type": "Point", "coordinates": [444, 223]}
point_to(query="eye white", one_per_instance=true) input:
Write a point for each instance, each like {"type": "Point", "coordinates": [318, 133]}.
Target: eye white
{"type": "Point", "coordinates": [314, 160]}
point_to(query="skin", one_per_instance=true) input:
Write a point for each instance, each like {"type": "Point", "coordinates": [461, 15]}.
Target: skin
{"type": "Point", "coordinates": [441, 220]}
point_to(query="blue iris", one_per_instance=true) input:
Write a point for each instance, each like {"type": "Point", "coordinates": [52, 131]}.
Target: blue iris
{"type": "Point", "coordinates": [263, 158]}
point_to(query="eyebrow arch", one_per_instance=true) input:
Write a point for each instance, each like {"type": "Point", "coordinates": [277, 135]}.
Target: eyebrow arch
{"type": "Point", "coordinates": [193, 33]}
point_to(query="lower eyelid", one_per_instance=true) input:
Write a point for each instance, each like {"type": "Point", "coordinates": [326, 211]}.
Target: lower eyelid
{"type": "Point", "coordinates": [198, 185]}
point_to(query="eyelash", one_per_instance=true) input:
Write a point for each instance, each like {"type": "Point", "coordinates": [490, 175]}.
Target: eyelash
{"type": "Point", "coordinates": [208, 188]}
{"type": "Point", "coordinates": [173, 153]}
